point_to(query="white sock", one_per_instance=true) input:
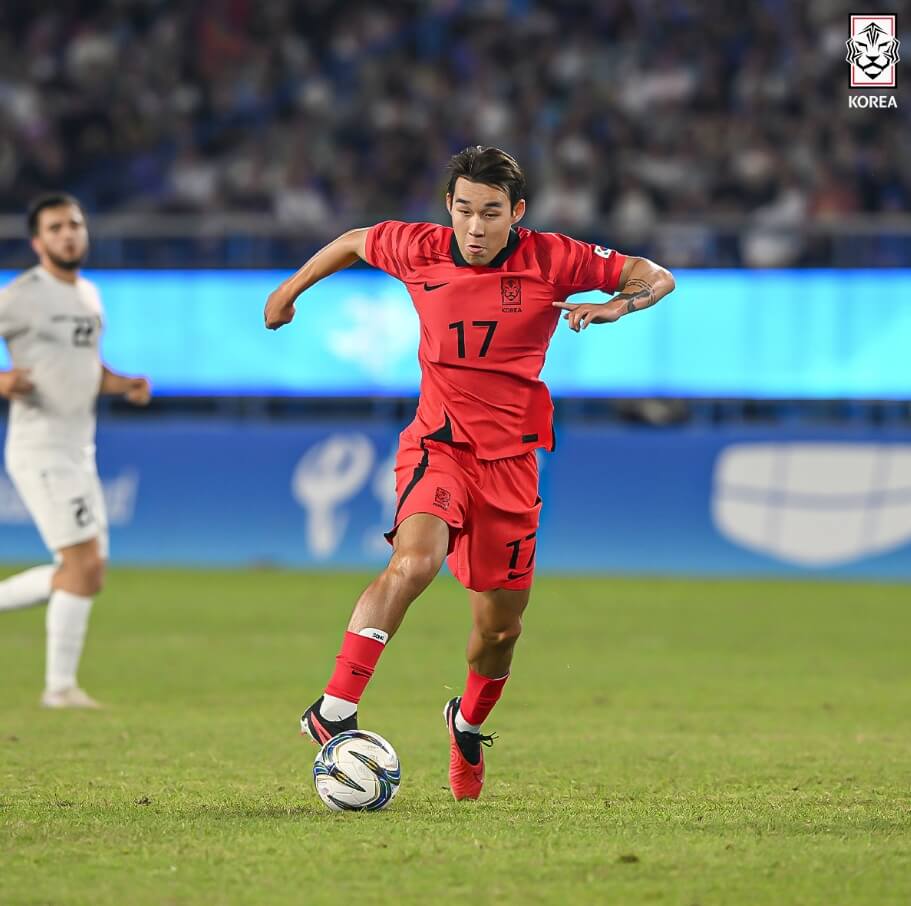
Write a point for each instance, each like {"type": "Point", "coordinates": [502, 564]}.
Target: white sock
{"type": "Point", "coordinates": [463, 726]}
{"type": "Point", "coordinates": [67, 620]}
{"type": "Point", "coordinates": [333, 708]}
{"type": "Point", "coordinates": [27, 588]}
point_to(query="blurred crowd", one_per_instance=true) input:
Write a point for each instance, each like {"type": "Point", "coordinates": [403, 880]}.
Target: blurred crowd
{"type": "Point", "coordinates": [327, 115]}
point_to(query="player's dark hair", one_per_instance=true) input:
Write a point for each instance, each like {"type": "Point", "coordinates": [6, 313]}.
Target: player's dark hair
{"type": "Point", "coordinates": [42, 202]}
{"type": "Point", "coordinates": [489, 166]}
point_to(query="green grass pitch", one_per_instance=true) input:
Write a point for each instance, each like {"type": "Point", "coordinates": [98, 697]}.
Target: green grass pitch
{"type": "Point", "coordinates": [676, 742]}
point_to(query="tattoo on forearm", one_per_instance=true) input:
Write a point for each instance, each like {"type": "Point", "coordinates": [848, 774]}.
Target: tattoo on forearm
{"type": "Point", "coordinates": [637, 290]}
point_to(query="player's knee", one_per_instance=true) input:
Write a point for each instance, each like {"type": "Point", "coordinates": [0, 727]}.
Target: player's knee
{"type": "Point", "coordinates": [92, 571]}
{"type": "Point", "coordinates": [417, 566]}
{"type": "Point", "coordinates": [500, 637]}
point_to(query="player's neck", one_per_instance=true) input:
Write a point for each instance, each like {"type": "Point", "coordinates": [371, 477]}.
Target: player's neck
{"type": "Point", "coordinates": [459, 259]}
{"type": "Point", "coordinates": [60, 273]}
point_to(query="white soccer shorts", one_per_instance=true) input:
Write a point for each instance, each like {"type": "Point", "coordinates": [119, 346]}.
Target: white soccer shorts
{"type": "Point", "coordinates": [62, 491]}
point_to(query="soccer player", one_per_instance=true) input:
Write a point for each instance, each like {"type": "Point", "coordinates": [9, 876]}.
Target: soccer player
{"type": "Point", "coordinates": [488, 295]}
{"type": "Point", "coordinates": [51, 319]}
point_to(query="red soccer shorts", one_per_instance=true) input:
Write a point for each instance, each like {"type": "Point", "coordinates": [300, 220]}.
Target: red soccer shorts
{"type": "Point", "coordinates": [492, 508]}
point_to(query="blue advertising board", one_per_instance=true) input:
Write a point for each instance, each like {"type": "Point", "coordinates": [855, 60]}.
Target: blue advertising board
{"type": "Point", "coordinates": [762, 334]}
{"type": "Point", "coordinates": [672, 501]}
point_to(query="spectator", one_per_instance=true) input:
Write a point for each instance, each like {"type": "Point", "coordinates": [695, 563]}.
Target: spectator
{"type": "Point", "coordinates": [339, 114]}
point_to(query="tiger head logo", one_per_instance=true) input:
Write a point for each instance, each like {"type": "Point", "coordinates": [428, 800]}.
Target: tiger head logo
{"type": "Point", "coordinates": [511, 290]}
{"type": "Point", "coordinates": [872, 50]}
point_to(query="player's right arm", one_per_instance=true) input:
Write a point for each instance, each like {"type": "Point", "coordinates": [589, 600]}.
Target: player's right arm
{"type": "Point", "coordinates": [339, 254]}
{"type": "Point", "coordinates": [15, 383]}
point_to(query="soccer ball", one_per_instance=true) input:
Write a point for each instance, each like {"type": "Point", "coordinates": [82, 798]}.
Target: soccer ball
{"type": "Point", "coordinates": [357, 771]}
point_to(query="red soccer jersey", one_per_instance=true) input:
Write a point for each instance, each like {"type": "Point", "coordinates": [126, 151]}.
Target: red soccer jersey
{"type": "Point", "coordinates": [485, 330]}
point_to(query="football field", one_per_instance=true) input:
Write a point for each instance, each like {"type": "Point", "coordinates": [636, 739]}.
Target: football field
{"type": "Point", "coordinates": [675, 742]}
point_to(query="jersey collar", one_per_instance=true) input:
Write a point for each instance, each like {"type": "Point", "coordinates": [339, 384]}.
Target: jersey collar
{"type": "Point", "coordinates": [500, 258]}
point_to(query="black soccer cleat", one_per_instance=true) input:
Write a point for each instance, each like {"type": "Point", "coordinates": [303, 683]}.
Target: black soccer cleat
{"type": "Point", "coordinates": [320, 730]}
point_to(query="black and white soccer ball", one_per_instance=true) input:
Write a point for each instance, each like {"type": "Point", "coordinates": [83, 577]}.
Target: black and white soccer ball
{"type": "Point", "coordinates": [357, 771]}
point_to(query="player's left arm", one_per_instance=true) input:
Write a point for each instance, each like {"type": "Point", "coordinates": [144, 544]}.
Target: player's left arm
{"type": "Point", "coordinates": [135, 390]}
{"type": "Point", "coordinates": [641, 284]}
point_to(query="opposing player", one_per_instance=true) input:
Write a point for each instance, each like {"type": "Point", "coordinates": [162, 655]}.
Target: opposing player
{"type": "Point", "coordinates": [488, 295]}
{"type": "Point", "coordinates": [51, 319]}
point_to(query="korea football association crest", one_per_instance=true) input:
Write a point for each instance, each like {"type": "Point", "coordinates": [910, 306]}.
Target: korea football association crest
{"type": "Point", "coordinates": [442, 497]}
{"type": "Point", "coordinates": [873, 56]}
{"type": "Point", "coordinates": [511, 294]}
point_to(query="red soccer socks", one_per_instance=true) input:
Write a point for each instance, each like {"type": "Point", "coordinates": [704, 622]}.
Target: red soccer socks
{"type": "Point", "coordinates": [354, 666]}
{"type": "Point", "coordinates": [480, 695]}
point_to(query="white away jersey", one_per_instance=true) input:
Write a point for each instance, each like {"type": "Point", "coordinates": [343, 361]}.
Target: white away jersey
{"type": "Point", "coordinates": [53, 328]}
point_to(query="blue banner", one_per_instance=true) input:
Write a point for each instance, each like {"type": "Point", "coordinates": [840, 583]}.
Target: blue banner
{"type": "Point", "coordinates": [763, 334]}
{"type": "Point", "coordinates": [674, 501]}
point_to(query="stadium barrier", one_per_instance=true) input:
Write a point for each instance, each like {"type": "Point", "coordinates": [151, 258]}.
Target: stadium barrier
{"type": "Point", "coordinates": [649, 501]}
{"type": "Point", "coordinates": [786, 334]}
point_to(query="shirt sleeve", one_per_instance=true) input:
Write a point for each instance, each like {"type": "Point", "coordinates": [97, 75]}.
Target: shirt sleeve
{"type": "Point", "coordinates": [10, 320]}
{"type": "Point", "coordinates": [96, 295]}
{"type": "Point", "coordinates": [390, 246]}
{"type": "Point", "coordinates": [583, 266]}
